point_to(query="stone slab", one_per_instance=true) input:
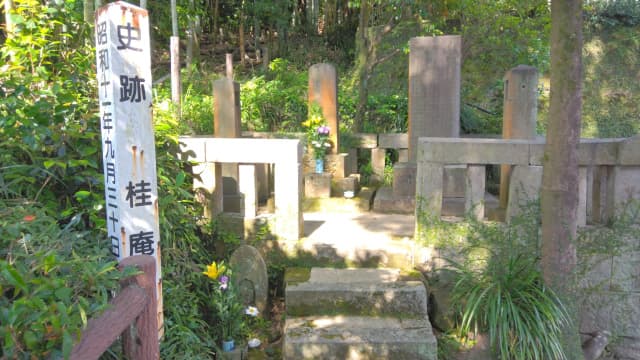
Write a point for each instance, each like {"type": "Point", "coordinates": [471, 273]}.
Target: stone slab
{"type": "Point", "coordinates": [473, 151]}
{"type": "Point", "coordinates": [366, 141]}
{"type": "Point", "coordinates": [331, 275]}
{"type": "Point", "coordinates": [404, 179]}
{"type": "Point", "coordinates": [407, 298]}
{"type": "Point", "coordinates": [524, 187]}
{"type": "Point", "coordinates": [250, 276]}
{"type": "Point", "coordinates": [385, 202]}
{"type": "Point", "coordinates": [317, 185]}
{"type": "Point", "coordinates": [358, 338]}
{"type": "Point", "coordinates": [393, 141]}
{"type": "Point", "coordinates": [434, 88]}
{"type": "Point", "coordinates": [629, 151]}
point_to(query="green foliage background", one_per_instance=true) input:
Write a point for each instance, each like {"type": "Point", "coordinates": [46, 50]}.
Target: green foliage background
{"type": "Point", "coordinates": [54, 269]}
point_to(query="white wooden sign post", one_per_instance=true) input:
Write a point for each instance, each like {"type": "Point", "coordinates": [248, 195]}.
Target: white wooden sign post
{"type": "Point", "coordinates": [128, 147]}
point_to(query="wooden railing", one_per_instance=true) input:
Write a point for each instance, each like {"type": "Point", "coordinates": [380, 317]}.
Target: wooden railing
{"type": "Point", "coordinates": [132, 314]}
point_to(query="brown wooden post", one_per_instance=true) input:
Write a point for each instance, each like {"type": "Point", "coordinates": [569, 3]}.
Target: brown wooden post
{"type": "Point", "coordinates": [143, 344]}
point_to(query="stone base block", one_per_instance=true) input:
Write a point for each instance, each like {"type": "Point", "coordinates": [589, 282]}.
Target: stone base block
{"type": "Point", "coordinates": [350, 183]}
{"type": "Point", "coordinates": [404, 179]}
{"type": "Point", "coordinates": [453, 182]}
{"type": "Point", "coordinates": [385, 202]}
{"type": "Point", "coordinates": [317, 185]}
{"type": "Point", "coordinates": [349, 337]}
{"type": "Point", "coordinates": [233, 203]}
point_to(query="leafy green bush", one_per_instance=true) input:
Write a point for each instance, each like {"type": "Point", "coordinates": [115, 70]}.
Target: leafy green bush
{"type": "Point", "coordinates": [275, 101]}
{"type": "Point", "coordinates": [499, 289]}
{"type": "Point", "coordinates": [52, 279]}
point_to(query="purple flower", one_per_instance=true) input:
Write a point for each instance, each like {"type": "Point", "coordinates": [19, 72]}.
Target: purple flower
{"type": "Point", "coordinates": [224, 282]}
{"type": "Point", "coordinates": [323, 130]}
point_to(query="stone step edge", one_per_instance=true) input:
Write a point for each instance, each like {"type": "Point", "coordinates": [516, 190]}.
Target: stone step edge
{"type": "Point", "coordinates": [370, 299]}
{"type": "Point", "coordinates": [310, 338]}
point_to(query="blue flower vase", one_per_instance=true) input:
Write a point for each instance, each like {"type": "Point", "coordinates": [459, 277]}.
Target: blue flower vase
{"type": "Point", "coordinates": [228, 346]}
{"type": "Point", "coordinates": [319, 166]}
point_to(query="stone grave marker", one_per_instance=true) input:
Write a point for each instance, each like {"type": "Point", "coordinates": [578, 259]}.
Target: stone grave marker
{"type": "Point", "coordinates": [250, 276]}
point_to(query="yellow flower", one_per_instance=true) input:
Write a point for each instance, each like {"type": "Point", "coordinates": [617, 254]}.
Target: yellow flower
{"type": "Point", "coordinates": [213, 270]}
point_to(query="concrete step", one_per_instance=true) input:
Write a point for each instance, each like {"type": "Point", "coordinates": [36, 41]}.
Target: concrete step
{"type": "Point", "coordinates": [354, 337]}
{"type": "Point", "coordinates": [366, 292]}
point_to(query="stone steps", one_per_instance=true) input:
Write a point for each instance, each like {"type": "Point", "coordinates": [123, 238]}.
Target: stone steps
{"type": "Point", "coordinates": [356, 314]}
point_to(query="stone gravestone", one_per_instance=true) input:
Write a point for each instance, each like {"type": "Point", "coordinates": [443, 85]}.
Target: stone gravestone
{"type": "Point", "coordinates": [519, 115]}
{"type": "Point", "coordinates": [249, 276]}
{"type": "Point", "coordinates": [434, 111]}
{"type": "Point", "coordinates": [323, 90]}
{"type": "Point", "coordinates": [226, 108]}
{"type": "Point", "coordinates": [434, 88]}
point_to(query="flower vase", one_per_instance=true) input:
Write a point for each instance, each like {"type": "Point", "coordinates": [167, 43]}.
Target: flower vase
{"type": "Point", "coordinates": [228, 346]}
{"type": "Point", "coordinates": [319, 166]}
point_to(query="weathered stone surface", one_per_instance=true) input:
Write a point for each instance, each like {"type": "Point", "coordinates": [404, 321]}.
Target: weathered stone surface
{"type": "Point", "coordinates": [629, 151]}
{"type": "Point", "coordinates": [434, 88]}
{"type": "Point", "coordinates": [286, 155]}
{"type": "Point", "coordinates": [429, 189]}
{"type": "Point", "coordinates": [453, 181]}
{"type": "Point", "coordinates": [226, 108]}
{"type": "Point", "coordinates": [378, 158]}
{"type": "Point", "coordinates": [348, 337]}
{"type": "Point", "coordinates": [354, 298]}
{"type": "Point", "coordinates": [474, 196]}
{"type": "Point", "coordinates": [317, 185]}
{"type": "Point", "coordinates": [366, 141]}
{"type": "Point", "coordinates": [626, 186]}
{"type": "Point", "coordinates": [519, 115]}
{"type": "Point", "coordinates": [473, 151]}
{"type": "Point", "coordinates": [526, 182]}
{"type": "Point", "coordinates": [248, 188]}
{"type": "Point", "coordinates": [323, 90]}
{"type": "Point", "coordinates": [336, 165]}
{"type": "Point", "coordinates": [350, 183]}
{"type": "Point", "coordinates": [404, 179]}
{"type": "Point", "coordinates": [336, 322]}
{"type": "Point", "coordinates": [385, 202]}
{"type": "Point", "coordinates": [250, 276]}
{"type": "Point", "coordinates": [393, 141]}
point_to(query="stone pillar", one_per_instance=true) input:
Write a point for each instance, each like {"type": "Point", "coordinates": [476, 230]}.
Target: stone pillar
{"type": "Point", "coordinates": [599, 193]}
{"type": "Point", "coordinates": [206, 177]}
{"type": "Point", "coordinates": [378, 157]}
{"type": "Point", "coordinates": [288, 196]}
{"type": "Point", "coordinates": [519, 115]}
{"type": "Point", "coordinates": [526, 182]}
{"type": "Point", "coordinates": [581, 216]}
{"type": "Point", "coordinates": [323, 90]}
{"type": "Point", "coordinates": [429, 190]}
{"type": "Point", "coordinates": [434, 88]}
{"type": "Point", "coordinates": [248, 187]}
{"type": "Point", "coordinates": [226, 110]}
{"type": "Point", "coordinates": [474, 191]}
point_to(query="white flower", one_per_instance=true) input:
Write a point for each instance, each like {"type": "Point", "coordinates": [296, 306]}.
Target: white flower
{"type": "Point", "coordinates": [254, 343]}
{"type": "Point", "coordinates": [251, 311]}
{"type": "Point", "coordinates": [327, 145]}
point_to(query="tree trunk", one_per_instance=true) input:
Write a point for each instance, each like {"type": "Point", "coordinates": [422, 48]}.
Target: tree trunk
{"type": "Point", "coordinates": [214, 31]}
{"type": "Point", "coordinates": [241, 38]}
{"type": "Point", "coordinates": [362, 58]}
{"type": "Point", "coordinates": [8, 23]}
{"type": "Point", "coordinates": [88, 12]}
{"type": "Point", "coordinates": [559, 196]}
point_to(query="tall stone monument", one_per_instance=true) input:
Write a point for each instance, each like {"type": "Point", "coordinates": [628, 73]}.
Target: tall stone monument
{"type": "Point", "coordinates": [227, 124]}
{"type": "Point", "coordinates": [519, 114]}
{"type": "Point", "coordinates": [434, 111]}
{"type": "Point", "coordinates": [323, 90]}
{"type": "Point", "coordinates": [434, 88]}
